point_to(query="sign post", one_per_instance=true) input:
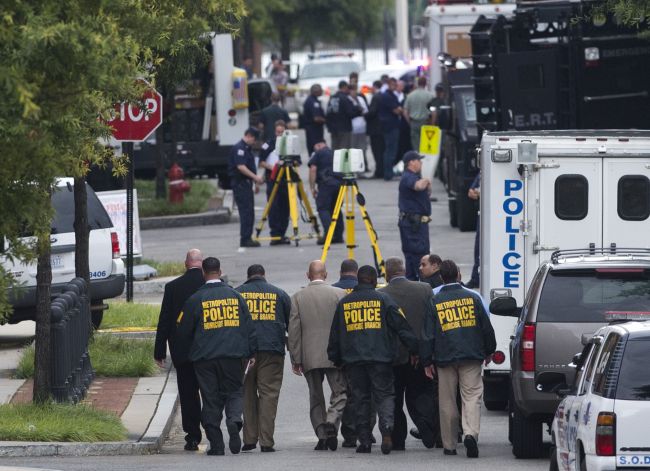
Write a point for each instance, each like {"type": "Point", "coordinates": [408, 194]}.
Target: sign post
{"type": "Point", "coordinates": [134, 122]}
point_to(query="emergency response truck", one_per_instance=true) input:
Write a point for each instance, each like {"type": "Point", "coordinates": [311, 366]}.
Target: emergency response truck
{"type": "Point", "coordinates": [544, 191]}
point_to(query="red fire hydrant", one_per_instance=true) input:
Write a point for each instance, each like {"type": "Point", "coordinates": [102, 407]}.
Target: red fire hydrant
{"type": "Point", "coordinates": [177, 185]}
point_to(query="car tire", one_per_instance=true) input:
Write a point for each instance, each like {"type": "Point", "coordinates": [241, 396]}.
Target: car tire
{"type": "Point", "coordinates": [465, 213]}
{"type": "Point", "coordinates": [96, 317]}
{"type": "Point", "coordinates": [453, 213]}
{"type": "Point", "coordinates": [495, 405]}
{"type": "Point", "coordinates": [526, 436]}
{"type": "Point", "coordinates": [553, 465]}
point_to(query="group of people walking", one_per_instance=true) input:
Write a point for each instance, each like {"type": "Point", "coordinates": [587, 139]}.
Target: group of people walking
{"type": "Point", "coordinates": [406, 342]}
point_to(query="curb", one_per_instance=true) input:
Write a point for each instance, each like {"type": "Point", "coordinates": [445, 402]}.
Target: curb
{"type": "Point", "coordinates": [150, 442]}
{"type": "Point", "coordinates": [220, 216]}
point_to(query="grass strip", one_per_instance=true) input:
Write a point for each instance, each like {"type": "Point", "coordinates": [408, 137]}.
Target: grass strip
{"type": "Point", "coordinates": [53, 422]}
{"type": "Point", "coordinates": [165, 268]}
{"type": "Point", "coordinates": [195, 201]}
{"type": "Point", "coordinates": [121, 314]}
{"type": "Point", "coordinates": [110, 355]}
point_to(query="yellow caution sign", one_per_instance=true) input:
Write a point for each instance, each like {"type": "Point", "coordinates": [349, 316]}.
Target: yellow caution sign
{"type": "Point", "coordinates": [430, 140]}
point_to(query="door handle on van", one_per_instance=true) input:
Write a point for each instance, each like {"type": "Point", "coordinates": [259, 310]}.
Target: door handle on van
{"type": "Point", "coordinates": [539, 248]}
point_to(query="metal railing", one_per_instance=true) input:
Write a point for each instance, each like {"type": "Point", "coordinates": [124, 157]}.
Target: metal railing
{"type": "Point", "coordinates": [70, 330]}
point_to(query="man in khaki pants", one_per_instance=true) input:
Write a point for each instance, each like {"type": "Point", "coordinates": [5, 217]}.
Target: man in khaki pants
{"type": "Point", "coordinates": [312, 311]}
{"type": "Point", "coordinates": [460, 337]}
{"type": "Point", "coordinates": [269, 307]}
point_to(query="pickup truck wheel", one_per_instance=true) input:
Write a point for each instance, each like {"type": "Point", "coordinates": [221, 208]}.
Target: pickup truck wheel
{"type": "Point", "coordinates": [526, 436]}
{"type": "Point", "coordinates": [96, 317]}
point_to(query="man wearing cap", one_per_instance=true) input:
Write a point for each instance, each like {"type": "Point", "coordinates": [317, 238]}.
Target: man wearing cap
{"type": "Point", "coordinates": [416, 110]}
{"type": "Point", "coordinates": [414, 213]}
{"type": "Point", "coordinates": [243, 173]}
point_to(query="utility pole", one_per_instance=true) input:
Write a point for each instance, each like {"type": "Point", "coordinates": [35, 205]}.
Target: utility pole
{"type": "Point", "coordinates": [401, 29]}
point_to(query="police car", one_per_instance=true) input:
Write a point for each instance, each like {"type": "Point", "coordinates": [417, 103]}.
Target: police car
{"type": "Point", "coordinates": [602, 422]}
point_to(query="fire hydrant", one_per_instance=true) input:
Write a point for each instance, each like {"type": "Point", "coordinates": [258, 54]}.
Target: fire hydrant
{"type": "Point", "coordinates": [177, 185]}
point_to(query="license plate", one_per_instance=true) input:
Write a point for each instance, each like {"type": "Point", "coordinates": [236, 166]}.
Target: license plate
{"type": "Point", "coordinates": [633, 460]}
{"type": "Point", "coordinates": [56, 261]}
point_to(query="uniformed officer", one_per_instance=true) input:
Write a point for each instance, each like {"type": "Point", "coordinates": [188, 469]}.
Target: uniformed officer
{"type": "Point", "coordinates": [279, 211]}
{"type": "Point", "coordinates": [313, 118]}
{"type": "Point", "coordinates": [325, 185]}
{"type": "Point", "coordinates": [270, 308]}
{"type": "Point", "coordinates": [348, 277]}
{"type": "Point", "coordinates": [216, 323]}
{"type": "Point", "coordinates": [460, 337]}
{"type": "Point", "coordinates": [363, 341]}
{"type": "Point", "coordinates": [414, 213]}
{"type": "Point", "coordinates": [242, 172]}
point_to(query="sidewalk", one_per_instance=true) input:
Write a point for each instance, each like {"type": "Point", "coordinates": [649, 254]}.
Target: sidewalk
{"type": "Point", "coordinates": [145, 405]}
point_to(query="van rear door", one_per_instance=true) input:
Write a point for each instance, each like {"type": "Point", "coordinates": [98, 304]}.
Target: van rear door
{"type": "Point", "coordinates": [626, 202]}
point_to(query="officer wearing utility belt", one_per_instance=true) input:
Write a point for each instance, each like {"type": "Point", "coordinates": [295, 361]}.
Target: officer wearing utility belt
{"type": "Point", "coordinates": [270, 308]}
{"type": "Point", "coordinates": [216, 323]}
{"type": "Point", "coordinates": [243, 173]}
{"type": "Point", "coordinates": [414, 213]}
{"type": "Point", "coordinates": [313, 118]}
{"type": "Point", "coordinates": [325, 185]}
{"type": "Point", "coordinates": [363, 339]}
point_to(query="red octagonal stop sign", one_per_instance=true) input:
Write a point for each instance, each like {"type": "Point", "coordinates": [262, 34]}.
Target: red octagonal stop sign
{"type": "Point", "coordinates": [133, 123]}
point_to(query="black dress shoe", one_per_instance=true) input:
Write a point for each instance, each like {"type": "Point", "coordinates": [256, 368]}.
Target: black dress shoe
{"type": "Point", "coordinates": [338, 240]}
{"type": "Point", "coordinates": [249, 243]}
{"type": "Point", "coordinates": [191, 445]}
{"type": "Point", "coordinates": [363, 448]}
{"type": "Point", "coordinates": [267, 449]}
{"type": "Point", "coordinates": [235, 440]}
{"type": "Point", "coordinates": [449, 452]}
{"type": "Point", "coordinates": [349, 443]}
{"type": "Point", "coordinates": [283, 241]}
{"type": "Point", "coordinates": [321, 445]}
{"type": "Point", "coordinates": [215, 452]}
{"type": "Point", "coordinates": [471, 446]}
{"type": "Point", "coordinates": [249, 447]}
{"type": "Point", "coordinates": [415, 433]}
{"type": "Point", "coordinates": [428, 439]}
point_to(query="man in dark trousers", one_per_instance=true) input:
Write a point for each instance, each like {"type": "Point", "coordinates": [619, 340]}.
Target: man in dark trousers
{"type": "Point", "coordinates": [430, 270]}
{"type": "Point", "coordinates": [270, 115]}
{"type": "Point", "coordinates": [458, 339]}
{"type": "Point", "coordinates": [416, 301]}
{"type": "Point", "coordinates": [216, 323]}
{"type": "Point", "coordinates": [390, 113]}
{"type": "Point", "coordinates": [270, 308]}
{"type": "Point", "coordinates": [348, 277]}
{"type": "Point", "coordinates": [325, 185]}
{"type": "Point", "coordinates": [414, 213]}
{"type": "Point", "coordinates": [374, 131]}
{"type": "Point", "coordinates": [363, 341]}
{"type": "Point", "coordinates": [177, 292]}
{"type": "Point", "coordinates": [243, 174]}
{"type": "Point", "coordinates": [313, 118]}
{"type": "Point", "coordinates": [340, 110]}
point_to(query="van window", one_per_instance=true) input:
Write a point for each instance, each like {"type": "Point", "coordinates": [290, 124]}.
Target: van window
{"type": "Point", "coordinates": [586, 295]}
{"type": "Point", "coordinates": [634, 376]}
{"type": "Point", "coordinates": [571, 197]}
{"type": "Point", "coordinates": [633, 198]}
{"type": "Point", "coordinates": [63, 203]}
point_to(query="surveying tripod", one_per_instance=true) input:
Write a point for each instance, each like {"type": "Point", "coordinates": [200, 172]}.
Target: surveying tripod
{"type": "Point", "coordinates": [294, 184]}
{"type": "Point", "coordinates": [348, 192]}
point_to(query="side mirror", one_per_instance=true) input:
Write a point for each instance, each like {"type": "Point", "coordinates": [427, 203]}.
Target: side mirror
{"type": "Point", "coordinates": [551, 381]}
{"type": "Point", "coordinates": [504, 306]}
{"type": "Point", "coordinates": [576, 360]}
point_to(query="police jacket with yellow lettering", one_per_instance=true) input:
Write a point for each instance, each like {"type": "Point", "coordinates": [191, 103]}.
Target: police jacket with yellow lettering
{"type": "Point", "coordinates": [459, 328]}
{"type": "Point", "coordinates": [216, 323]}
{"type": "Point", "coordinates": [366, 328]}
{"type": "Point", "coordinates": [270, 308]}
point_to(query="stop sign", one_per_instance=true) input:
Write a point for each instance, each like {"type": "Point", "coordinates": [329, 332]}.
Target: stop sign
{"type": "Point", "coordinates": [135, 121]}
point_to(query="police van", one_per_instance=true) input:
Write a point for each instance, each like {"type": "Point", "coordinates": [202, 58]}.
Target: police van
{"type": "Point", "coordinates": [544, 191]}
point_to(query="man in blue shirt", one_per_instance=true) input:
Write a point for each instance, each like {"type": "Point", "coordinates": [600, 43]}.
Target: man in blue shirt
{"type": "Point", "coordinates": [414, 213]}
{"type": "Point", "coordinates": [313, 118]}
{"type": "Point", "coordinates": [325, 185]}
{"type": "Point", "coordinates": [390, 113]}
{"type": "Point", "coordinates": [243, 173]}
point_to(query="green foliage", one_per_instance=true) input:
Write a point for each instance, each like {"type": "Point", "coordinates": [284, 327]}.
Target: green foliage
{"type": "Point", "coordinates": [630, 12]}
{"type": "Point", "coordinates": [195, 201]}
{"type": "Point", "coordinates": [52, 422]}
{"type": "Point", "coordinates": [110, 355]}
{"type": "Point", "coordinates": [121, 315]}
{"type": "Point", "coordinates": [166, 268]}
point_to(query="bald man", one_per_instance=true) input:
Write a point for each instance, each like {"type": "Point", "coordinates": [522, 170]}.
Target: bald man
{"type": "Point", "coordinates": [312, 310]}
{"type": "Point", "coordinates": [176, 293]}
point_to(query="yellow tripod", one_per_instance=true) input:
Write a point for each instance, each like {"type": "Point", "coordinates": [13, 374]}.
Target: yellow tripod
{"type": "Point", "coordinates": [295, 191]}
{"type": "Point", "coordinates": [348, 193]}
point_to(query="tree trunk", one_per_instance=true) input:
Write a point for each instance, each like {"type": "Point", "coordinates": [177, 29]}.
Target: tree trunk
{"type": "Point", "coordinates": [43, 350]}
{"type": "Point", "coordinates": [161, 189]}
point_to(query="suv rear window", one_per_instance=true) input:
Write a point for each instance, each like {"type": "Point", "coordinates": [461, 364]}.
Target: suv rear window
{"type": "Point", "coordinates": [586, 295]}
{"type": "Point", "coordinates": [634, 376]}
{"type": "Point", "coordinates": [63, 203]}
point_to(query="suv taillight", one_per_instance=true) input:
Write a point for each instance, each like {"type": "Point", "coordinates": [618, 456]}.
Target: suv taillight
{"type": "Point", "coordinates": [115, 245]}
{"type": "Point", "coordinates": [527, 348]}
{"type": "Point", "coordinates": [606, 434]}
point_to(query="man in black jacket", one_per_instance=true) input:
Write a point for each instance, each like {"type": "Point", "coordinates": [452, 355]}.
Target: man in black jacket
{"type": "Point", "coordinates": [373, 129]}
{"type": "Point", "coordinates": [430, 270]}
{"type": "Point", "coordinates": [363, 341]}
{"type": "Point", "coordinates": [341, 108]}
{"type": "Point", "coordinates": [216, 322]}
{"type": "Point", "coordinates": [176, 293]}
{"type": "Point", "coordinates": [270, 308]}
{"type": "Point", "coordinates": [421, 393]}
{"type": "Point", "coordinates": [348, 276]}
{"type": "Point", "coordinates": [460, 337]}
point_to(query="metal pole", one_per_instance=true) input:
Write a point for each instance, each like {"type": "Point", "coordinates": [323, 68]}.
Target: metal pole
{"type": "Point", "coordinates": [127, 149]}
{"type": "Point", "coordinates": [401, 29]}
{"type": "Point", "coordinates": [386, 36]}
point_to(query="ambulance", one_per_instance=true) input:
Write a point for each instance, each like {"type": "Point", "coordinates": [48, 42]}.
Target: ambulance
{"type": "Point", "coordinates": [543, 191]}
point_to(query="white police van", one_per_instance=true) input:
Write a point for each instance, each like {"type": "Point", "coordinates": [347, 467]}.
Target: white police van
{"type": "Point", "coordinates": [543, 191]}
{"type": "Point", "coordinates": [602, 422]}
